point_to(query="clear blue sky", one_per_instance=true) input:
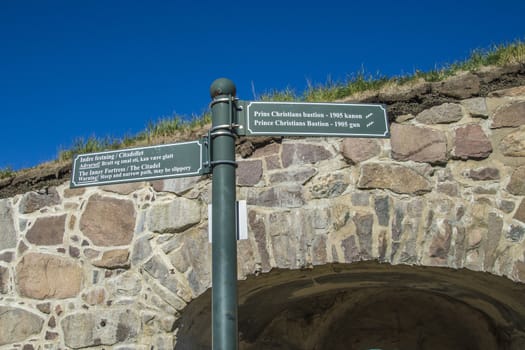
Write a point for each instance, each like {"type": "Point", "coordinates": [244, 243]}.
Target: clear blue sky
{"type": "Point", "coordinates": [72, 69]}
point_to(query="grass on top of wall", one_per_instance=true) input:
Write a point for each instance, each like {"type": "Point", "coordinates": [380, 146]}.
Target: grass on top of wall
{"type": "Point", "coordinates": [169, 127]}
{"type": "Point", "coordinates": [155, 132]}
{"type": "Point", "coordinates": [6, 172]}
{"type": "Point", "coordinates": [499, 55]}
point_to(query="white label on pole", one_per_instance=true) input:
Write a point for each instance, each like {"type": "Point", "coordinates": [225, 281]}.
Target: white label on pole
{"type": "Point", "coordinates": [241, 217]}
{"type": "Point", "coordinates": [209, 222]}
{"type": "Point", "coordinates": [242, 220]}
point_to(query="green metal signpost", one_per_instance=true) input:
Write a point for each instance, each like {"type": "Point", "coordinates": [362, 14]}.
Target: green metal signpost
{"type": "Point", "coordinates": [215, 154]}
{"type": "Point", "coordinates": [224, 239]}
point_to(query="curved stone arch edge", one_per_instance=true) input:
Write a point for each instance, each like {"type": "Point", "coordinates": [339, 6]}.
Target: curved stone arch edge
{"type": "Point", "coordinates": [497, 299]}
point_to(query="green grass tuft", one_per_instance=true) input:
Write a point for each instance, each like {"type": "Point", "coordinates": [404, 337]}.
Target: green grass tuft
{"type": "Point", "coordinates": [497, 55]}
{"type": "Point", "coordinates": [162, 129]}
{"type": "Point", "coordinates": [93, 144]}
{"type": "Point", "coordinates": [331, 90]}
{"type": "Point", "coordinates": [288, 95]}
{"type": "Point", "coordinates": [6, 172]}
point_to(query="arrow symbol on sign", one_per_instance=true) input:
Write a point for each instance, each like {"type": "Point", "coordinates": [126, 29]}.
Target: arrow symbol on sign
{"type": "Point", "coordinates": [369, 115]}
{"type": "Point", "coordinates": [369, 124]}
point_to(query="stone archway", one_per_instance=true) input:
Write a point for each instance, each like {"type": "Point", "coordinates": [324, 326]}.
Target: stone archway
{"type": "Point", "coordinates": [369, 305]}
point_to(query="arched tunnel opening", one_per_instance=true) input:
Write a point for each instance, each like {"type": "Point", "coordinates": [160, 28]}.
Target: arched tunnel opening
{"type": "Point", "coordinates": [369, 305]}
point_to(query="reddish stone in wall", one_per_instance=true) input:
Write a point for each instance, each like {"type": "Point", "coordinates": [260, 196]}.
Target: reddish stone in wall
{"type": "Point", "coordinates": [18, 324]}
{"type": "Point", "coordinates": [396, 178]}
{"type": "Point", "coordinates": [125, 188]}
{"type": "Point", "coordinates": [43, 276]}
{"type": "Point", "coordinates": [249, 172]}
{"type": "Point", "coordinates": [516, 184]}
{"type": "Point", "coordinates": [509, 116]}
{"type": "Point", "coordinates": [47, 230]}
{"type": "Point", "coordinates": [178, 186]}
{"type": "Point", "coordinates": [258, 227]}
{"type": "Point", "coordinates": [520, 212]}
{"type": "Point", "coordinates": [33, 201]}
{"type": "Point", "coordinates": [442, 114]}
{"type": "Point", "coordinates": [8, 236]}
{"type": "Point", "coordinates": [418, 144]}
{"type": "Point", "coordinates": [357, 150]}
{"type": "Point", "coordinates": [303, 153]}
{"type": "Point", "coordinates": [268, 150]}
{"type": "Point", "coordinates": [4, 279]}
{"type": "Point", "coordinates": [513, 145]}
{"type": "Point", "coordinates": [519, 270]}
{"type": "Point", "coordinates": [483, 174]}
{"type": "Point", "coordinates": [117, 258]}
{"type": "Point", "coordinates": [471, 142]}
{"type": "Point", "coordinates": [108, 221]}
{"type": "Point", "coordinates": [460, 86]}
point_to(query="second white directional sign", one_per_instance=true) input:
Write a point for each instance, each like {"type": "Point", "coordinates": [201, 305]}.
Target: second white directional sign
{"type": "Point", "coordinates": [313, 119]}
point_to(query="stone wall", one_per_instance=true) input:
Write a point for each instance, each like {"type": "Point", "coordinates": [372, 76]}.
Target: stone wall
{"type": "Point", "coordinates": [115, 267]}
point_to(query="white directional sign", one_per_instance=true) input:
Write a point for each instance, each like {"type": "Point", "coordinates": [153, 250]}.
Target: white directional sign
{"type": "Point", "coordinates": [313, 119]}
{"type": "Point", "coordinates": [139, 164]}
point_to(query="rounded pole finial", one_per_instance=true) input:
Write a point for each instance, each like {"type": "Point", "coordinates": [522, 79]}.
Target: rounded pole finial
{"type": "Point", "coordinates": [222, 86]}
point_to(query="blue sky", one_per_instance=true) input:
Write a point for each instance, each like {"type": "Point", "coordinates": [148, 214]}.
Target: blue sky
{"type": "Point", "coordinates": [71, 69]}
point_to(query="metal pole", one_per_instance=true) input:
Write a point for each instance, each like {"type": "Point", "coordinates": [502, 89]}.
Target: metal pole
{"type": "Point", "coordinates": [224, 240]}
